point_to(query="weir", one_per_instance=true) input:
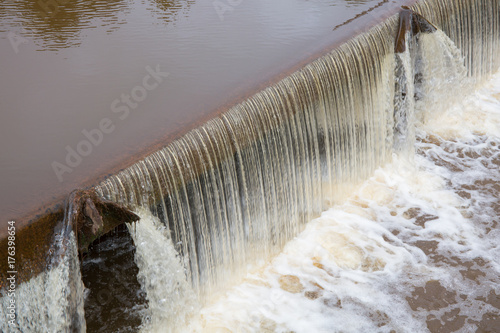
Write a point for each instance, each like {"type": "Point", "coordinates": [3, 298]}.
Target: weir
{"type": "Point", "coordinates": [242, 185]}
{"type": "Point", "coordinates": [236, 189]}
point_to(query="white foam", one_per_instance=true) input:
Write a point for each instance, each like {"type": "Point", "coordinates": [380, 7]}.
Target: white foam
{"type": "Point", "coordinates": [52, 301]}
{"type": "Point", "coordinates": [453, 107]}
{"type": "Point", "coordinates": [171, 299]}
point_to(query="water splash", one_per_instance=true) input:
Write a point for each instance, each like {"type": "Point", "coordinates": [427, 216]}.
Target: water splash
{"type": "Point", "coordinates": [53, 301]}
{"type": "Point", "coordinates": [171, 300]}
{"type": "Point", "coordinates": [441, 74]}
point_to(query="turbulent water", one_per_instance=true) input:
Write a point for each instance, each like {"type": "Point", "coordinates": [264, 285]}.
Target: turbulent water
{"type": "Point", "coordinates": [416, 248]}
{"type": "Point", "coordinates": [53, 301]}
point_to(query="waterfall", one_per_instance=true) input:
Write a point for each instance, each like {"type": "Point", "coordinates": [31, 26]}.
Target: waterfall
{"type": "Point", "coordinates": [415, 248]}
{"type": "Point", "coordinates": [229, 195]}
{"type": "Point", "coordinates": [239, 187]}
{"type": "Point", "coordinates": [474, 27]}
{"type": "Point", "coordinates": [236, 189]}
{"type": "Point", "coordinates": [54, 300]}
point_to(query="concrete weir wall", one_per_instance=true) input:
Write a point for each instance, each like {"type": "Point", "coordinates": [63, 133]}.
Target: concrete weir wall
{"type": "Point", "coordinates": [37, 221]}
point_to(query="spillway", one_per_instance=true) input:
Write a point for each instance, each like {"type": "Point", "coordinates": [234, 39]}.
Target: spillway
{"type": "Point", "coordinates": [229, 192]}
{"type": "Point", "coordinates": [218, 204]}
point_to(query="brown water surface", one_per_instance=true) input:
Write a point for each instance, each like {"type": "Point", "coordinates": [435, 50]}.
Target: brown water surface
{"type": "Point", "coordinates": [69, 68]}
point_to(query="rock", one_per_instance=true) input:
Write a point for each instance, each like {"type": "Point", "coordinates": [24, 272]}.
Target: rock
{"type": "Point", "coordinates": [91, 217]}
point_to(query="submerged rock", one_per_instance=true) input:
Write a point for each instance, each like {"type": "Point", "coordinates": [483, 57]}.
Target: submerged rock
{"type": "Point", "coordinates": [291, 283]}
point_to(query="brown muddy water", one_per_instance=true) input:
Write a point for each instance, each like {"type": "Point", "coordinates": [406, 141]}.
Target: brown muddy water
{"type": "Point", "coordinates": [86, 67]}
